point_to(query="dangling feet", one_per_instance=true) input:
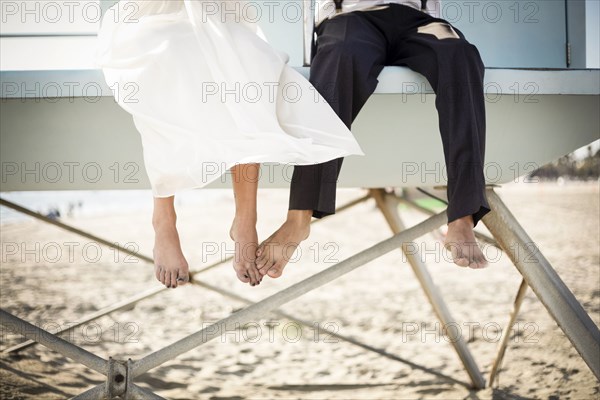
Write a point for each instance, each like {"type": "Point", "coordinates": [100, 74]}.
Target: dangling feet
{"type": "Point", "coordinates": [170, 266]}
{"type": "Point", "coordinates": [275, 252]}
{"type": "Point", "coordinates": [243, 233]}
{"type": "Point", "coordinates": [461, 242]}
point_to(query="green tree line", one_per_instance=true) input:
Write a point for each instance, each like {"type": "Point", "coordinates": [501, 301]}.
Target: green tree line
{"type": "Point", "coordinates": [569, 167]}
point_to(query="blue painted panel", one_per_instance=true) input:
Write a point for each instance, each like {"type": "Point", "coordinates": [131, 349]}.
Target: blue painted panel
{"type": "Point", "coordinates": [282, 22]}
{"type": "Point", "coordinates": [508, 33]}
{"type": "Point", "coordinates": [513, 33]}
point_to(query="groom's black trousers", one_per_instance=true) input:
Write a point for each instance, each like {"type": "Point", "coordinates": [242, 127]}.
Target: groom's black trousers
{"type": "Point", "coordinates": [352, 50]}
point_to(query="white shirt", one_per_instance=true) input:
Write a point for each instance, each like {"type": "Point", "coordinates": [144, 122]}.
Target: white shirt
{"type": "Point", "coordinates": [326, 8]}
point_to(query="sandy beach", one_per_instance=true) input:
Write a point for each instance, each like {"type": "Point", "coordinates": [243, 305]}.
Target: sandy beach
{"type": "Point", "coordinates": [51, 278]}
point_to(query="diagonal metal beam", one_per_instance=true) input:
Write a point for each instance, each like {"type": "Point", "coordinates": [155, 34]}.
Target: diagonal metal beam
{"type": "Point", "coordinates": [125, 303]}
{"type": "Point", "coordinates": [72, 229]}
{"type": "Point", "coordinates": [545, 282]}
{"type": "Point", "coordinates": [124, 388]}
{"type": "Point", "coordinates": [55, 343]}
{"type": "Point", "coordinates": [95, 393]}
{"type": "Point", "coordinates": [506, 332]}
{"type": "Point", "coordinates": [104, 311]}
{"type": "Point", "coordinates": [389, 207]}
{"type": "Point", "coordinates": [136, 392]}
{"type": "Point", "coordinates": [272, 302]}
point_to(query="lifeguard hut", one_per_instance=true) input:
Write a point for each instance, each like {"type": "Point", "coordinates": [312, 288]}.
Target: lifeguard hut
{"type": "Point", "coordinates": [542, 102]}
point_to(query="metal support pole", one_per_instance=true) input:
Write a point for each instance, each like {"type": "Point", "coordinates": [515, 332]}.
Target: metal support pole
{"type": "Point", "coordinates": [137, 393]}
{"type": "Point", "coordinates": [119, 377]}
{"type": "Point", "coordinates": [389, 207]}
{"type": "Point", "coordinates": [270, 303]}
{"type": "Point", "coordinates": [545, 282]}
{"type": "Point", "coordinates": [95, 393]}
{"type": "Point", "coordinates": [41, 336]}
{"type": "Point", "coordinates": [100, 313]}
{"type": "Point", "coordinates": [506, 332]}
{"type": "Point", "coordinates": [71, 229]}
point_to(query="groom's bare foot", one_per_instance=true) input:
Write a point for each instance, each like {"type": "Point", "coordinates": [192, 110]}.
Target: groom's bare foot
{"type": "Point", "coordinates": [243, 233]}
{"type": "Point", "coordinates": [275, 252]}
{"type": "Point", "coordinates": [170, 266]}
{"type": "Point", "coordinates": [461, 242]}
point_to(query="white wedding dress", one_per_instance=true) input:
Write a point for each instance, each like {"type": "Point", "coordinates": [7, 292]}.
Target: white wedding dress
{"type": "Point", "coordinates": [207, 93]}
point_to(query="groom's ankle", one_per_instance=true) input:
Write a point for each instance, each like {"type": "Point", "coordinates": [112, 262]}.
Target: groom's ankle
{"type": "Point", "coordinates": [299, 217]}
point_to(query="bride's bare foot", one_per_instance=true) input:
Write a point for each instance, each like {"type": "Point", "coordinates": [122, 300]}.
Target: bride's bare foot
{"type": "Point", "coordinates": [170, 266]}
{"type": "Point", "coordinates": [275, 252]}
{"type": "Point", "coordinates": [461, 242]}
{"type": "Point", "coordinates": [243, 233]}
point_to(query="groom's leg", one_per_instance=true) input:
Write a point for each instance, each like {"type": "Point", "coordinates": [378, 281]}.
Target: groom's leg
{"type": "Point", "coordinates": [313, 187]}
{"type": "Point", "coordinates": [350, 55]}
{"type": "Point", "coordinates": [454, 69]}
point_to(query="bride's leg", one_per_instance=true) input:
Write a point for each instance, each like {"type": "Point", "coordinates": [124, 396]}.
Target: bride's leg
{"type": "Point", "coordinates": [243, 229]}
{"type": "Point", "coordinates": [171, 267]}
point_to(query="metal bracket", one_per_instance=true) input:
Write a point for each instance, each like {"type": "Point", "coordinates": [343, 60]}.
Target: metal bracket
{"type": "Point", "coordinates": [118, 378]}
